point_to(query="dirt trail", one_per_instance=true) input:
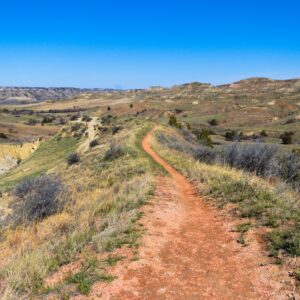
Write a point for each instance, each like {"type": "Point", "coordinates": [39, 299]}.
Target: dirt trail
{"type": "Point", "coordinates": [189, 252]}
{"type": "Point", "coordinates": [91, 134]}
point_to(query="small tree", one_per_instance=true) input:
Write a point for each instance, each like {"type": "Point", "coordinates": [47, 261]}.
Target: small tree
{"type": "Point", "coordinates": [131, 105]}
{"type": "Point", "coordinates": [287, 138]}
{"type": "Point", "coordinates": [204, 138]}
{"type": "Point", "coordinates": [108, 108]}
{"type": "Point", "coordinates": [173, 122]}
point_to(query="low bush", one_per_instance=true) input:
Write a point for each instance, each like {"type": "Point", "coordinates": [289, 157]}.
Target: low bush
{"type": "Point", "coordinates": [86, 118]}
{"type": "Point", "coordinates": [115, 151]}
{"type": "Point", "coordinates": [173, 122]}
{"type": "Point", "coordinates": [75, 127]}
{"type": "Point", "coordinates": [3, 136]}
{"type": "Point", "coordinates": [290, 121]}
{"type": "Point", "coordinates": [263, 133]}
{"type": "Point", "coordinates": [47, 119]}
{"type": "Point", "coordinates": [188, 136]}
{"type": "Point", "coordinates": [175, 144]}
{"type": "Point", "coordinates": [204, 138]}
{"type": "Point", "coordinates": [73, 158]}
{"type": "Point", "coordinates": [233, 135]}
{"type": "Point", "coordinates": [32, 122]}
{"type": "Point", "coordinates": [178, 110]}
{"type": "Point", "coordinates": [213, 122]}
{"type": "Point", "coordinates": [106, 120]}
{"type": "Point", "coordinates": [287, 167]}
{"type": "Point", "coordinates": [74, 117]}
{"type": "Point", "coordinates": [257, 158]}
{"type": "Point", "coordinates": [94, 143]}
{"type": "Point", "coordinates": [205, 154]}
{"type": "Point", "coordinates": [116, 129]}
{"type": "Point", "coordinates": [287, 138]}
{"type": "Point", "coordinates": [38, 197]}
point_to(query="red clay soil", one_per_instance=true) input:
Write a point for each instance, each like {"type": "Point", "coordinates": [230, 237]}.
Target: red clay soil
{"type": "Point", "coordinates": [190, 252]}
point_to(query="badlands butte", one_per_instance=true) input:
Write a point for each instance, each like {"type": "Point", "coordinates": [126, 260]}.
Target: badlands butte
{"type": "Point", "coordinates": [187, 192]}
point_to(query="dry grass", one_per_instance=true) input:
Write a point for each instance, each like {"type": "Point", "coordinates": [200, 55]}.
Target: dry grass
{"type": "Point", "coordinates": [102, 206]}
{"type": "Point", "coordinates": [274, 205]}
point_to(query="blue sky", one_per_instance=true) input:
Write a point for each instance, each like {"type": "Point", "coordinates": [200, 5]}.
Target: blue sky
{"type": "Point", "coordinates": [136, 44]}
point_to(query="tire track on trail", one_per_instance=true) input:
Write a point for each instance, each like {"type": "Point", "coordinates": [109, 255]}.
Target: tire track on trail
{"type": "Point", "coordinates": [189, 252]}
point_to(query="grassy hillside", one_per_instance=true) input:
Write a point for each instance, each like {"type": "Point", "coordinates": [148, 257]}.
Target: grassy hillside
{"type": "Point", "coordinates": [96, 176]}
{"type": "Point", "coordinates": [50, 154]}
{"type": "Point", "coordinates": [102, 195]}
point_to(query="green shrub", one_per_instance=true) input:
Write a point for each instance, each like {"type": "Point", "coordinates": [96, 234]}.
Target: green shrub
{"type": "Point", "coordinates": [173, 122]}
{"type": "Point", "coordinates": [204, 138]}
{"type": "Point", "coordinates": [288, 240]}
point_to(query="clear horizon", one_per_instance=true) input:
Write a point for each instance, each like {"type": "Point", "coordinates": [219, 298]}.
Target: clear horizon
{"type": "Point", "coordinates": [32, 86]}
{"type": "Point", "coordinates": [94, 44]}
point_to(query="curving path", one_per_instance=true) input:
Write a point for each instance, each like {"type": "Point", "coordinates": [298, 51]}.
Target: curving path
{"type": "Point", "coordinates": [189, 252]}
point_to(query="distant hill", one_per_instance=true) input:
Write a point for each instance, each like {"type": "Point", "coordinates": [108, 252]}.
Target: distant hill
{"type": "Point", "coordinates": [24, 95]}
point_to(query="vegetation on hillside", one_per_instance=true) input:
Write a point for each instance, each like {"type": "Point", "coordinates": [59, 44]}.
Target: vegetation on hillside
{"type": "Point", "coordinates": [217, 175]}
{"type": "Point", "coordinates": [71, 208]}
{"type": "Point", "coordinates": [74, 215]}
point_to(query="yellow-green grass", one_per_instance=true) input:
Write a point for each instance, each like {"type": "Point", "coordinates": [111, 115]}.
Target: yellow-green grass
{"type": "Point", "coordinates": [50, 154]}
{"type": "Point", "coordinates": [102, 207]}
